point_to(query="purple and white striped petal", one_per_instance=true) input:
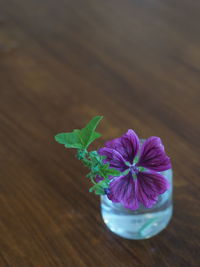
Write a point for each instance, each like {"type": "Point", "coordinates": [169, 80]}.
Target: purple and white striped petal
{"type": "Point", "coordinates": [114, 158]}
{"type": "Point", "coordinates": [153, 156]}
{"type": "Point", "coordinates": [150, 185]}
{"type": "Point", "coordinates": [127, 145]}
{"type": "Point", "coordinates": [123, 189]}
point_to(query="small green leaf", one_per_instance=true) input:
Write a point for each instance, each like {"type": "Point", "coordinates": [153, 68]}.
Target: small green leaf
{"type": "Point", "coordinates": [99, 187]}
{"type": "Point", "coordinates": [88, 134]}
{"type": "Point", "coordinates": [70, 140]}
{"type": "Point", "coordinates": [80, 139]}
{"type": "Point", "coordinates": [113, 172]}
{"type": "Point", "coordinates": [100, 191]}
{"type": "Point", "coordinates": [106, 171]}
{"type": "Point", "coordinates": [104, 183]}
{"type": "Point", "coordinates": [105, 166]}
{"type": "Point", "coordinates": [93, 137]}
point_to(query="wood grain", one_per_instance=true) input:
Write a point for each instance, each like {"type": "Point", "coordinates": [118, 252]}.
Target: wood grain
{"type": "Point", "coordinates": [137, 62]}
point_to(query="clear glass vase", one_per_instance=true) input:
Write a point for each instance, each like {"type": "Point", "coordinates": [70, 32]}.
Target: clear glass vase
{"type": "Point", "coordinates": [142, 223]}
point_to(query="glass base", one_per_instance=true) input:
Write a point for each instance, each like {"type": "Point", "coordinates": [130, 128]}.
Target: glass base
{"type": "Point", "coordinates": [142, 223]}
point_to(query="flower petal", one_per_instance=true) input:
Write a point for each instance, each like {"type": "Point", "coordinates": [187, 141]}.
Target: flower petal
{"type": "Point", "coordinates": [153, 155]}
{"type": "Point", "coordinates": [127, 145]}
{"type": "Point", "coordinates": [114, 158]}
{"type": "Point", "coordinates": [150, 186]}
{"type": "Point", "coordinates": [123, 189]}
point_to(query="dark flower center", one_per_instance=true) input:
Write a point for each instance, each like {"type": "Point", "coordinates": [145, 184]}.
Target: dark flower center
{"type": "Point", "coordinates": [134, 170]}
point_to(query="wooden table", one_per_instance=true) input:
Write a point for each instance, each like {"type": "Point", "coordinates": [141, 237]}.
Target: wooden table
{"type": "Point", "coordinates": [137, 62]}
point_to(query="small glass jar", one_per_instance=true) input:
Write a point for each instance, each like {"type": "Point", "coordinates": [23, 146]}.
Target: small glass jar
{"type": "Point", "coordinates": [142, 223]}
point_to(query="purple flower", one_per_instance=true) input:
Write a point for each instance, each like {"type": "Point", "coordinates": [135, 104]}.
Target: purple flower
{"type": "Point", "coordinates": [140, 165]}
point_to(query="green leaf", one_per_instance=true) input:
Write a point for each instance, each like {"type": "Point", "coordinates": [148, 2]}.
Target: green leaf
{"type": "Point", "coordinates": [93, 137]}
{"type": "Point", "coordinates": [99, 187]}
{"type": "Point", "coordinates": [100, 191]}
{"type": "Point", "coordinates": [70, 140]}
{"type": "Point", "coordinates": [80, 139]}
{"type": "Point", "coordinates": [105, 166]}
{"type": "Point", "coordinates": [113, 172]}
{"type": "Point", "coordinates": [106, 171]}
{"type": "Point", "coordinates": [88, 134]}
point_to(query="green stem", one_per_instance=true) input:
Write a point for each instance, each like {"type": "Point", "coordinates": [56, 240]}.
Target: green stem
{"type": "Point", "coordinates": [92, 179]}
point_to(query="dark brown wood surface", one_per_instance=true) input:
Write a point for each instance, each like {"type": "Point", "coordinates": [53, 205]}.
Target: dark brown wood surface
{"type": "Point", "coordinates": [137, 62]}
